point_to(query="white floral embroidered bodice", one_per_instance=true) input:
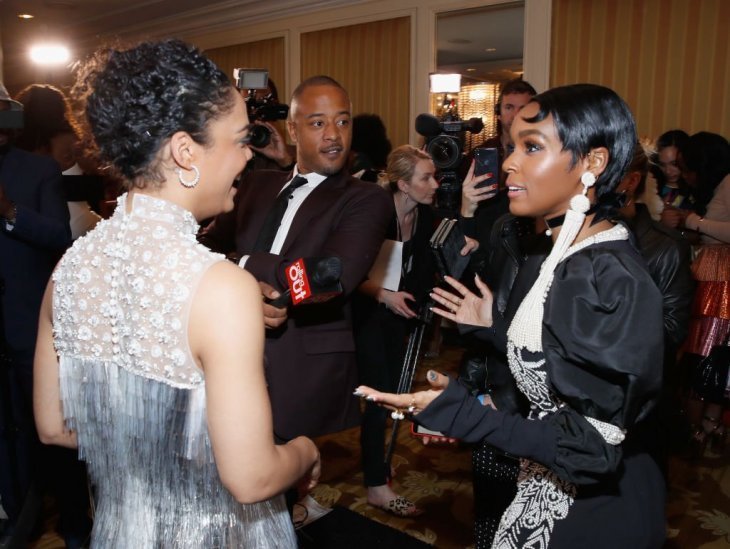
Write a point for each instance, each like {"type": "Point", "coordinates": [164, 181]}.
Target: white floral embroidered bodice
{"type": "Point", "coordinates": [132, 391]}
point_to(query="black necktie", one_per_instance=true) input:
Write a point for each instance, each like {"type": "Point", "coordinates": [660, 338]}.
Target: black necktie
{"type": "Point", "coordinates": [276, 214]}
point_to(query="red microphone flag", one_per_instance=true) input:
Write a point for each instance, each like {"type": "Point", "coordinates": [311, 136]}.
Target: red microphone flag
{"type": "Point", "coordinates": [296, 276]}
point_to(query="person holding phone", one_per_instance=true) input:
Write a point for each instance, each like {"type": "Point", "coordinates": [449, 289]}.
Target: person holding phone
{"type": "Point", "coordinates": [481, 203]}
{"type": "Point", "coordinates": [384, 316]}
{"type": "Point", "coordinates": [584, 343]}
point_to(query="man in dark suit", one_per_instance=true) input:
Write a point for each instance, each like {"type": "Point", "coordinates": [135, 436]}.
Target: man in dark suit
{"type": "Point", "coordinates": [34, 232]}
{"type": "Point", "coordinates": [310, 362]}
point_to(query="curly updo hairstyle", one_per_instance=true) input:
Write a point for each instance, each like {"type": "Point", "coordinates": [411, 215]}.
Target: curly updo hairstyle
{"type": "Point", "coordinates": [133, 100]}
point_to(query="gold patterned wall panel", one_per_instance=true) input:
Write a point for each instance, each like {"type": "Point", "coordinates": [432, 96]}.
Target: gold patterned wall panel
{"type": "Point", "coordinates": [263, 54]}
{"type": "Point", "coordinates": [372, 61]}
{"type": "Point", "coordinates": [669, 59]}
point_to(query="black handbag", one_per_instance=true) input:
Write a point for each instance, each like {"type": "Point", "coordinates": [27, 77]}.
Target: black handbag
{"type": "Point", "coordinates": [710, 376]}
{"type": "Point", "coordinates": [446, 244]}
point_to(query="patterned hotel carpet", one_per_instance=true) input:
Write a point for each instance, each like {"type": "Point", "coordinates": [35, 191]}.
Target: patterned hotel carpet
{"type": "Point", "coordinates": [438, 479]}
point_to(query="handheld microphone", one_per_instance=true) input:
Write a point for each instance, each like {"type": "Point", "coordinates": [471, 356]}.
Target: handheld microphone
{"type": "Point", "coordinates": [311, 280]}
{"type": "Point", "coordinates": [428, 125]}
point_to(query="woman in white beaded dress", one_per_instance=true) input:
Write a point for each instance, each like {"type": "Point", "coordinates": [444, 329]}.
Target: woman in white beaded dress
{"type": "Point", "coordinates": [584, 342]}
{"type": "Point", "coordinates": [150, 349]}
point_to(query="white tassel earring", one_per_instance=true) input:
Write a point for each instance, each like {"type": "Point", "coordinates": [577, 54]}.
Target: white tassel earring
{"type": "Point", "coordinates": [580, 202]}
{"type": "Point", "coordinates": [192, 182]}
{"type": "Point", "coordinates": [526, 327]}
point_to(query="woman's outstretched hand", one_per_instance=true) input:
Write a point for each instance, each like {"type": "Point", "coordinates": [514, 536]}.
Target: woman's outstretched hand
{"type": "Point", "coordinates": [410, 403]}
{"type": "Point", "coordinates": [465, 307]}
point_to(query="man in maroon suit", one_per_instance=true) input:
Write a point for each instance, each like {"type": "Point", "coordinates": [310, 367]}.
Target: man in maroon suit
{"type": "Point", "coordinates": [310, 362]}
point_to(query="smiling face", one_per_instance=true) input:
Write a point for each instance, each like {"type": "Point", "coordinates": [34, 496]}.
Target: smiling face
{"type": "Point", "coordinates": [321, 128]}
{"type": "Point", "coordinates": [668, 164]}
{"type": "Point", "coordinates": [540, 179]}
{"type": "Point", "coordinates": [422, 186]}
{"type": "Point", "coordinates": [225, 156]}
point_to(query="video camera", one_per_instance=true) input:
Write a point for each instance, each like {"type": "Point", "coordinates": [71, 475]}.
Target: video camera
{"type": "Point", "coordinates": [445, 144]}
{"type": "Point", "coordinates": [264, 108]}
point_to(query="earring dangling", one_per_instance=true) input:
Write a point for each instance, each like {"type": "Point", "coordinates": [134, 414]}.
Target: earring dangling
{"type": "Point", "coordinates": [588, 180]}
{"type": "Point", "coordinates": [194, 181]}
{"type": "Point", "coordinates": [580, 202]}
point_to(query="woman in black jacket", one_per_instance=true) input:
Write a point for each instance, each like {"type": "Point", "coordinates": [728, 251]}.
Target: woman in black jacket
{"type": "Point", "coordinates": [584, 345]}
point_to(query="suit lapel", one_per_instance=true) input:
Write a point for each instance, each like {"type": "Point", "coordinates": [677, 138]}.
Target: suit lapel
{"type": "Point", "coordinates": [258, 196]}
{"type": "Point", "coordinates": [316, 205]}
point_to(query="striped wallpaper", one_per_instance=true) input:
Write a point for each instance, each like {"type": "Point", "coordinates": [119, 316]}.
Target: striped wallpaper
{"type": "Point", "coordinates": [669, 59]}
{"type": "Point", "coordinates": [372, 61]}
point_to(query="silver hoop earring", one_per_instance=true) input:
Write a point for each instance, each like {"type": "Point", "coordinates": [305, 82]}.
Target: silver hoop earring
{"type": "Point", "coordinates": [194, 181]}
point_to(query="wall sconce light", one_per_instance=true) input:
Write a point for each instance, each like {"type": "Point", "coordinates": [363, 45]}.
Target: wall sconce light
{"type": "Point", "coordinates": [478, 100]}
{"type": "Point", "coordinates": [445, 83]}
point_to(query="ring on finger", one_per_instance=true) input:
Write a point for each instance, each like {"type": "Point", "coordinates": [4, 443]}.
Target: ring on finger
{"type": "Point", "coordinates": [412, 405]}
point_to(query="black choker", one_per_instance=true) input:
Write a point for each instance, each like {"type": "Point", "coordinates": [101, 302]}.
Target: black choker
{"type": "Point", "coordinates": [556, 222]}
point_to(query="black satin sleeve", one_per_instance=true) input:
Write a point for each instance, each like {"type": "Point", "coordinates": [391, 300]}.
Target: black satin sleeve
{"type": "Point", "coordinates": [602, 337]}
{"type": "Point", "coordinates": [603, 344]}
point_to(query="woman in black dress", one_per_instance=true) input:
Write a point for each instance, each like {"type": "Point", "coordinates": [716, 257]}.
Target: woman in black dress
{"type": "Point", "coordinates": [584, 345]}
{"type": "Point", "coordinates": [384, 317]}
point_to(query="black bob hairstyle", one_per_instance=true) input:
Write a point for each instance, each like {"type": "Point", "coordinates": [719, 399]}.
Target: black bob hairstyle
{"type": "Point", "coordinates": [588, 116]}
{"type": "Point", "coordinates": [135, 99]}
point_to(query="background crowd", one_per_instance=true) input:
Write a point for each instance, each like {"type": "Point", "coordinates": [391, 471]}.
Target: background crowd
{"type": "Point", "coordinates": [146, 301]}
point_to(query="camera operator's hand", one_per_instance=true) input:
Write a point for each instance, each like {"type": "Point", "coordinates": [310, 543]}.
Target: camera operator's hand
{"type": "Point", "coordinates": [273, 316]}
{"type": "Point", "coordinates": [277, 149]}
{"type": "Point", "coordinates": [472, 196]}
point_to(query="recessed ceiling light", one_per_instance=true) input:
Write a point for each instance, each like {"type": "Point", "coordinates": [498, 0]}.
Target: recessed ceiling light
{"type": "Point", "coordinates": [25, 16]}
{"type": "Point", "coordinates": [490, 50]}
{"type": "Point", "coordinates": [470, 70]}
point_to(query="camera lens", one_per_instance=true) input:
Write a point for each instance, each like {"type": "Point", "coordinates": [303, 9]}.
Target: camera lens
{"type": "Point", "coordinates": [445, 151]}
{"type": "Point", "coordinates": [260, 136]}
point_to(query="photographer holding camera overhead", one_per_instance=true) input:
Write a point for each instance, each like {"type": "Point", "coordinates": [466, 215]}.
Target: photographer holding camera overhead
{"type": "Point", "coordinates": [271, 151]}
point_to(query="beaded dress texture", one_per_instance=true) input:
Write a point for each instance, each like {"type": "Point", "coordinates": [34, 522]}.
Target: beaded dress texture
{"type": "Point", "coordinates": [542, 497]}
{"type": "Point", "coordinates": [132, 391]}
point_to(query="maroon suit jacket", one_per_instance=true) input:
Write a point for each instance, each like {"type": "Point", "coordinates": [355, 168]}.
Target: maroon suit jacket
{"type": "Point", "coordinates": [310, 361]}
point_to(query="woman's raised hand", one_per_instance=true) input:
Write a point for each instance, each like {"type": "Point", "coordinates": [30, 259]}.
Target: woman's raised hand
{"type": "Point", "coordinates": [471, 196]}
{"type": "Point", "coordinates": [465, 307]}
